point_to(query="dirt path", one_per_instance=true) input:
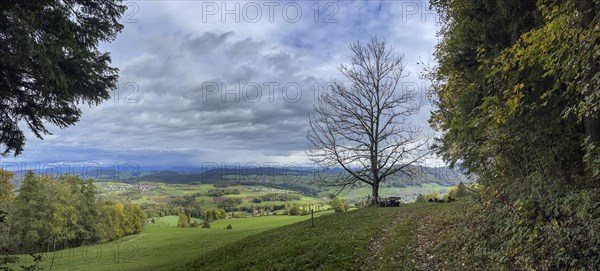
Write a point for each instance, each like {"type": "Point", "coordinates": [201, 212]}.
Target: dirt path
{"type": "Point", "coordinates": [376, 246]}
{"type": "Point", "coordinates": [378, 243]}
{"type": "Point", "coordinates": [424, 259]}
{"type": "Point", "coordinates": [389, 249]}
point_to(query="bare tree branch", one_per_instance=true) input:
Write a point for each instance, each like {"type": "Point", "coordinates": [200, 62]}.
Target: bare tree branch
{"type": "Point", "coordinates": [362, 127]}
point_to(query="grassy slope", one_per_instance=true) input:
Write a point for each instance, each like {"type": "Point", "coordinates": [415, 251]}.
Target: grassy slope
{"type": "Point", "coordinates": [173, 220]}
{"type": "Point", "coordinates": [160, 247]}
{"type": "Point", "coordinates": [400, 238]}
{"type": "Point", "coordinates": [365, 239]}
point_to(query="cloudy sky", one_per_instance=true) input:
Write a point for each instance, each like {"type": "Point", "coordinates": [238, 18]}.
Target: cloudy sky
{"type": "Point", "coordinates": [228, 81]}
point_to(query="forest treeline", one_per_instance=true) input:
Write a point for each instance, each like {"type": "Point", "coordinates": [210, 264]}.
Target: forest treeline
{"type": "Point", "coordinates": [53, 213]}
{"type": "Point", "coordinates": [517, 99]}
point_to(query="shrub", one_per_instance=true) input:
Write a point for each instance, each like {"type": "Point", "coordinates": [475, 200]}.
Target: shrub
{"type": "Point", "coordinates": [461, 191]}
{"type": "Point", "coordinates": [339, 205]}
{"type": "Point", "coordinates": [435, 196]}
{"type": "Point", "coordinates": [295, 210]}
{"type": "Point", "coordinates": [206, 225]}
{"type": "Point", "coordinates": [184, 221]}
{"type": "Point", "coordinates": [229, 227]}
{"type": "Point", "coordinates": [230, 202]}
{"type": "Point", "coordinates": [555, 232]}
{"type": "Point", "coordinates": [277, 197]}
{"type": "Point", "coordinates": [222, 192]}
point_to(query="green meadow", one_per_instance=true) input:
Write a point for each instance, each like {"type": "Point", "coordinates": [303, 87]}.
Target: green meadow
{"type": "Point", "coordinates": [162, 246]}
{"type": "Point", "coordinates": [397, 238]}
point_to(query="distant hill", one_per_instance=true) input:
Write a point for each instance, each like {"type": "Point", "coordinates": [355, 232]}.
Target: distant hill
{"type": "Point", "coordinates": [221, 175]}
{"type": "Point", "coordinates": [419, 175]}
{"type": "Point", "coordinates": [298, 178]}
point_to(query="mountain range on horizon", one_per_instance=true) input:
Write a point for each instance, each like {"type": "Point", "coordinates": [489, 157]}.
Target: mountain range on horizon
{"type": "Point", "coordinates": [238, 174]}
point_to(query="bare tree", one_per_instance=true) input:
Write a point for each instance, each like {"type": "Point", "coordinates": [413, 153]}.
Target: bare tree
{"type": "Point", "coordinates": [363, 126]}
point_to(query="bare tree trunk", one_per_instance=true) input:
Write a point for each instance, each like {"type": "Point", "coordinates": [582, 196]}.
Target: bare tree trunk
{"type": "Point", "coordinates": [375, 194]}
{"type": "Point", "coordinates": [376, 180]}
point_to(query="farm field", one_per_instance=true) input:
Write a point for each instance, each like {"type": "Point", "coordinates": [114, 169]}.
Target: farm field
{"type": "Point", "coordinates": [162, 193]}
{"type": "Point", "coordinates": [171, 221]}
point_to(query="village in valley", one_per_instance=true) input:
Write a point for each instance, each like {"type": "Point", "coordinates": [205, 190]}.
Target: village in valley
{"type": "Point", "coordinates": [129, 187]}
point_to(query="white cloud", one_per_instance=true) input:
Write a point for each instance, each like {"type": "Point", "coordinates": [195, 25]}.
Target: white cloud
{"type": "Point", "coordinates": [172, 51]}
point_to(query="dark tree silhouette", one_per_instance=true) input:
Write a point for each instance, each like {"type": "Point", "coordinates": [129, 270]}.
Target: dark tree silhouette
{"type": "Point", "coordinates": [50, 63]}
{"type": "Point", "coordinates": [363, 126]}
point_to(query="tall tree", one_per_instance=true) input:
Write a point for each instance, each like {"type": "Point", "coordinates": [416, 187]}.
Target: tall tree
{"type": "Point", "coordinates": [50, 63]}
{"type": "Point", "coordinates": [63, 212]}
{"type": "Point", "coordinates": [6, 186]}
{"type": "Point", "coordinates": [82, 197]}
{"type": "Point", "coordinates": [34, 216]}
{"type": "Point", "coordinates": [183, 221]}
{"type": "Point", "coordinates": [363, 126]}
{"type": "Point", "coordinates": [517, 103]}
{"type": "Point", "coordinates": [6, 197]}
{"type": "Point", "coordinates": [528, 85]}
